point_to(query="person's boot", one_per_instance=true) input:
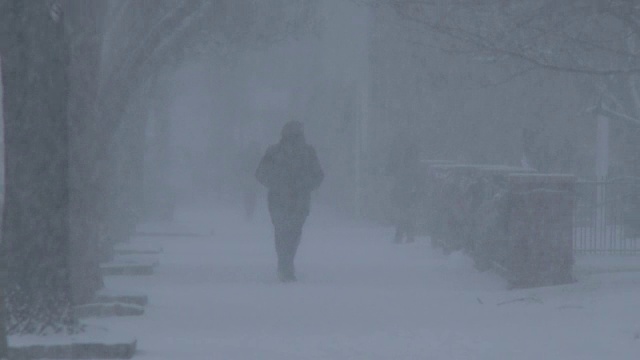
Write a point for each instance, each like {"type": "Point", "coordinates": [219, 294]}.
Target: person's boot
{"type": "Point", "coordinates": [282, 276]}
{"type": "Point", "coordinates": [282, 272]}
{"type": "Point", "coordinates": [291, 277]}
{"type": "Point", "coordinates": [286, 274]}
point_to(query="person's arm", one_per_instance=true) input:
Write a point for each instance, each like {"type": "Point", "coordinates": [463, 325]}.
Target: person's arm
{"type": "Point", "coordinates": [265, 169]}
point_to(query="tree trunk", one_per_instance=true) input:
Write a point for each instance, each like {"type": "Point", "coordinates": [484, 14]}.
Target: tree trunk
{"type": "Point", "coordinates": [159, 197]}
{"type": "Point", "coordinates": [85, 20]}
{"type": "Point", "coordinates": [127, 207]}
{"type": "Point", "coordinates": [4, 349]}
{"type": "Point", "coordinates": [36, 213]}
{"type": "Point", "coordinates": [132, 157]}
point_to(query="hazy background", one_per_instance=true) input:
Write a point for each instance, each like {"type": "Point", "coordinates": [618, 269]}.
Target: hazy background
{"type": "Point", "coordinates": [361, 79]}
{"type": "Point", "coordinates": [144, 120]}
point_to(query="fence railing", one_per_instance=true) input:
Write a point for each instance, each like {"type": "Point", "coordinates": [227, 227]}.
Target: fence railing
{"type": "Point", "coordinates": [607, 217]}
{"type": "Point", "coordinates": [527, 226]}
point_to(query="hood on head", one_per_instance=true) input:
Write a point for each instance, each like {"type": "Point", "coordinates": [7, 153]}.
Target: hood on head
{"type": "Point", "coordinates": [292, 130]}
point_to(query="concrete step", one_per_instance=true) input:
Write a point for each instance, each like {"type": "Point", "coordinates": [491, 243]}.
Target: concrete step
{"type": "Point", "coordinates": [137, 249]}
{"type": "Point", "coordinates": [92, 344]}
{"type": "Point", "coordinates": [140, 300]}
{"type": "Point", "coordinates": [108, 310]}
{"type": "Point", "coordinates": [129, 268]}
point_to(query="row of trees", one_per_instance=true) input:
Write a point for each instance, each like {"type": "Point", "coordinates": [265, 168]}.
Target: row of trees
{"type": "Point", "coordinates": [80, 79]}
{"type": "Point", "coordinates": [467, 110]}
{"type": "Point", "coordinates": [595, 41]}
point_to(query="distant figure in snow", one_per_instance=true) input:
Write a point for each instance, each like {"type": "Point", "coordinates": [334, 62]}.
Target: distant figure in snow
{"type": "Point", "coordinates": [248, 162]}
{"type": "Point", "coordinates": [290, 170]}
{"type": "Point", "coordinates": [404, 168]}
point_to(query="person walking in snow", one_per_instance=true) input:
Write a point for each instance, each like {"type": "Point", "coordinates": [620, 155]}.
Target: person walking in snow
{"type": "Point", "coordinates": [291, 171]}
{"type": "Point", "coordinates": [404, 168]}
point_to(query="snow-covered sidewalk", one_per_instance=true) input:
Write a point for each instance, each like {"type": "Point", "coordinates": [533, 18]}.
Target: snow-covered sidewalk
{"type": "Point", "coordinates": [360, 297]}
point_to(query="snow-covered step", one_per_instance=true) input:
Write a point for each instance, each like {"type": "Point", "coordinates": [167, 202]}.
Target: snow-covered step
{"type": "Point", "coordinates": [108, 310]}
{"type": "Point", "coordinates": [173, 230]}
{"type": "Point", "coordinates": [140, 300]}
{"type": "Point", "coordinates": [137, 249]}
{"type": "Point", "coordinates": [129, 268]}
{"type": "Point", "coordinates": [95, 343]}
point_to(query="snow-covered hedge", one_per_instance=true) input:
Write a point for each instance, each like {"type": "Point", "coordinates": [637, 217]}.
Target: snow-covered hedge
{"type": "Point", "coordinates": [471, 208]}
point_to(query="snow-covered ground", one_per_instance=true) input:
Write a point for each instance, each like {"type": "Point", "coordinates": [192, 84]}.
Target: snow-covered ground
{"type": "Point", "coordinates": [361, 297]}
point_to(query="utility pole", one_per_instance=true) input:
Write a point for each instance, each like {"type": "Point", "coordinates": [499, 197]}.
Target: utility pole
{"type": "Point", "coordinates": [602, 164]}
{"type": "Point", "coordinates": [602, 144]}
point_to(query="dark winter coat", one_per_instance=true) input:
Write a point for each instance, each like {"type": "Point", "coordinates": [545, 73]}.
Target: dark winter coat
{"type": "Point", "coordinates": [290, 170]}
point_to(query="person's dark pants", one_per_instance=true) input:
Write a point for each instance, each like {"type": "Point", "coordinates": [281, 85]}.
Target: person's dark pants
{"type": "Point", "coordinates": [288, 231]}
{"type": "Point", "coordinates": [288, 214]}
{"type": "Point", "coordinates": [287, 236]}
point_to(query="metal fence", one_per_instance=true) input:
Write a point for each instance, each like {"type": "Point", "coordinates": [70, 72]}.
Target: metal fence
{"type": "Point", "coordinates": [607, 217]}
